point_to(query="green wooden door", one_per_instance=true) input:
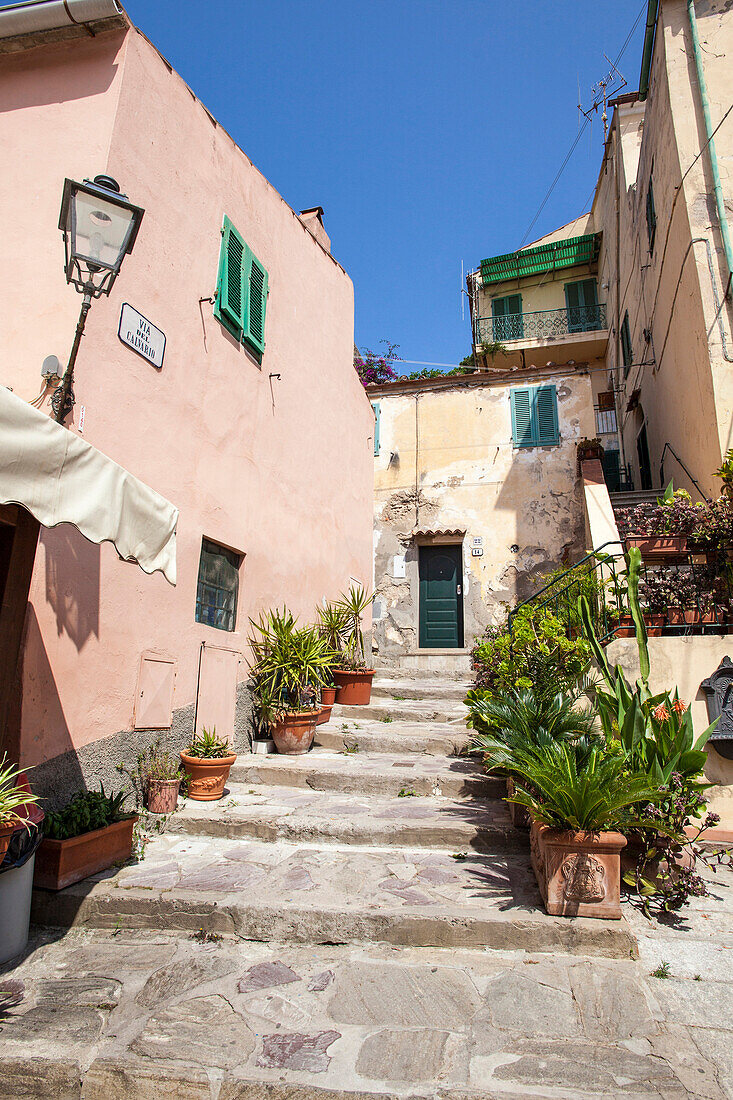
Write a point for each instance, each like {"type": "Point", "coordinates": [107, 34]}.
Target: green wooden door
{"type": "Point", "coordinates": [441, 598]}
{"type": "Point", "coordinates": [582, 304]}
{"type": "Point", "coordinates": [508, 322]}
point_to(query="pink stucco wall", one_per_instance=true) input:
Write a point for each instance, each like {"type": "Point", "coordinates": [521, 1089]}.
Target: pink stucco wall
{"type": "Point", "coordinates": [279, 469]}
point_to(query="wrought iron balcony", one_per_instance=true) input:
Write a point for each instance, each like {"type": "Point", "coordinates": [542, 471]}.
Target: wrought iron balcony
{"type": "Point", "coordinates": [540, 325]}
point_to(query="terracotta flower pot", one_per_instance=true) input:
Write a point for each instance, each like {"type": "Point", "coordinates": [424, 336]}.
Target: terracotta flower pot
{"type": "Point", "coordinates": [519, 814]}
{"type": "Point", "coordinates": [206, 777]}
{"type": "Point", "coordinates": [658, 546]}
{"type": "Point", "coordinates": [578, 873]}
{"type": "Point", "coordinates": [625, 628]}
{"type": "Point", "coordinates": [293, 734]}
{"type": "Point", "coordinates": [324, 714]}
{"type": "Point", "coordinates": [353, 686]}
{"type": "Point", "coordinates": [6, 831]}
{"type": "Point", "coordinates": [328, 696]}
{"type": "Point", "coordinates": [654, 625]}
{"type": "Point", "coordinates": [61, 863]}
{"type": "Point", "coordinates": [162, 795]}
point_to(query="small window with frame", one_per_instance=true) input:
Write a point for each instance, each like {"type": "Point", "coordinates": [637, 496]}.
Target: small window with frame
{"type": "Point", "coordinates": [217, 588]}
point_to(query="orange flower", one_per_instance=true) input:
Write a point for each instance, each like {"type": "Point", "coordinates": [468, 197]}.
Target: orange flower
{"type": "Point", "coordinates": [679, 706]}
{"type": "Point", "coordinates": [660, 713]}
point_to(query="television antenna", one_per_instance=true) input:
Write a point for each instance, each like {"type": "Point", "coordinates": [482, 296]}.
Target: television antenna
{"type": "Point", "coordinates": [613, 81]}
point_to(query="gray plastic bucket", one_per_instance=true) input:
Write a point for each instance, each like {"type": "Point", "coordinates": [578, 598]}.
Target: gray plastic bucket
{"type": "Point", "coordinates": [16, 888]}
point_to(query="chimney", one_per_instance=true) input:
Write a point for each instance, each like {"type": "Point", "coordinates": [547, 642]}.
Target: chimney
{"type": "Point", "coordinates": [312, 219]}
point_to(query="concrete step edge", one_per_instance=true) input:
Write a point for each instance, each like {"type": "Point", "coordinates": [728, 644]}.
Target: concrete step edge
{"type": "Point", "coordinates": [530, 930]}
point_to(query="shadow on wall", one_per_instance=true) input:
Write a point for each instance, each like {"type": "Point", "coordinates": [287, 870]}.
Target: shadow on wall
{"type": "Point", "coordinates": [542, 492]}
{"type": "Point", "coordinates": [45, 732]}
{"type": "Point", "coordinates": [72, 582]}
{"type": "Point", "coordinates": [62, 83]}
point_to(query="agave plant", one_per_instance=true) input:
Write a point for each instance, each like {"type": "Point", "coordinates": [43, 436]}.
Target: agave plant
{"type": "Point", "coordinates": [567, 786]}
{"type": "Point", "coordinates": [12, 795]}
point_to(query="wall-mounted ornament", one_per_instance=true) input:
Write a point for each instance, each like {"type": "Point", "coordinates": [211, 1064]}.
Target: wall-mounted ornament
{"type": "Point", "coordinates": [718, 690]}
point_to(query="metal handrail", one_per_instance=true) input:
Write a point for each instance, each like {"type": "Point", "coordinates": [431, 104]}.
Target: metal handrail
{"type": "Point", "coordinates": [668, 447]}
{"type": "Point", "coordinates": [541, 324]}
{"type": "Point", "coordinates": [677, 593]}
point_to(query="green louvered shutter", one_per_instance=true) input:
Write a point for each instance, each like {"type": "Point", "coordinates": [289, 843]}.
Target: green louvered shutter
{"type": "Point", "coordinates": [545, 416]}
{"type": "Point", "coordinates": [508, 322]}
{"type": "Point", "coordinates": [229, 306]}
{"type": "Point", "coordinates": [651, 216]}
{"type": "Point", "coordinates": [521, 403]}
{"type": "Point", "coordinates": [377, 418]}
{"type": "Point", "coordinates": [255, 277]}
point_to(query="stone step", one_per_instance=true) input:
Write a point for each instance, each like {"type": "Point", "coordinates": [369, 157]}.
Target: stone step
{"type": "Point", "coordinates": [407, 710]}
{"type": "Point", "coordinates": [393, 737]}
{"type": "Point", "coordinates": [382, 774]}
{"type": "Point", "coordinates": [448, 664]}
{"type": "Point", "coordinates": [327, 895]}
{"type": "Point", "coordinates": [327, 817]}
{"type": "Point", "coordinates": [400, 688]}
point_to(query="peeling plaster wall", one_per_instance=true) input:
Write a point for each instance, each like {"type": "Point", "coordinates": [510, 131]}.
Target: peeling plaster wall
{"type": "Point", "coordinates": [447, 462]}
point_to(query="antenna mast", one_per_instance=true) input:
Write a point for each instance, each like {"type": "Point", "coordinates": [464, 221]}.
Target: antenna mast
{"type": "Point", "coordinates": [612, 81]}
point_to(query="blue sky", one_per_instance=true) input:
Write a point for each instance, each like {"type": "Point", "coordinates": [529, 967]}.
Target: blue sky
{"type": "Point", "coordinates": [428, 130]}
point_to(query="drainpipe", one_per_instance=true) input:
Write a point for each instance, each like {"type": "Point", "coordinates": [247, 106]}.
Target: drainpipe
{"type": "Point", "coordinates": [712, 155]}
{"type": "Point", "coordinates": [646, 57]}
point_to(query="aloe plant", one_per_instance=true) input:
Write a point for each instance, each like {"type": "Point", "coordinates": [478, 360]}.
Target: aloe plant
{"type": "Point", "coordinates": [655, 731]}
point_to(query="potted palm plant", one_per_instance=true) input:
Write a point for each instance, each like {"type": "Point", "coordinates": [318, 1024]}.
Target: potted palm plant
{"type": "Point", "coordinates": [582, 800]}
{"type": "Point", "coordinates": [352, 677]}
{"type": "Point", "coordinates": [510, 722]}
{"type": "Point", "coordinates": [207, 761]}
{"type": "Point", "coordinates": [331, 626]}
{"type": "Point", "coordinates": [290, 666]}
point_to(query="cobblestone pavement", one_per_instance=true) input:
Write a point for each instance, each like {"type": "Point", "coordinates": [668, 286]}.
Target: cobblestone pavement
{"type": "Point", "coordinates": [101, 1014]}
{"type": "Point", "coordinates": [356, 956]}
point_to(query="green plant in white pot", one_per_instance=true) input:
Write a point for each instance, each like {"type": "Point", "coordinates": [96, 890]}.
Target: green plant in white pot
{"type": "Point", "coordinates": [13, 796]}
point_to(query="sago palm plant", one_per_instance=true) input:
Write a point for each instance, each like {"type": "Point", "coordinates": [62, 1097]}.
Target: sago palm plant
{"type": "Point", "coordinates": [565, 787]}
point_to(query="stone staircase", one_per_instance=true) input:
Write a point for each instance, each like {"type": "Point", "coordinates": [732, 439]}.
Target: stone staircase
{"type": "Point", "coordinates": [387, 831]}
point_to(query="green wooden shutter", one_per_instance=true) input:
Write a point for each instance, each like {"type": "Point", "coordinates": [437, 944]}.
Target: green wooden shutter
{"type": "Point", "coordinates": [581, 300]}
{"type": "Point", "coordinates": [545, 416]}
{"type": "Point", "coordinates": [255, 281]}
{"type": "Point", "coordinates": [229, 305]}
{"type": "Point", "coordinates": [521, 405]}
{"type": "Point", "coordinates": [627, 352]}
{"type": "Point", "coordinates": [377, 418]}
{"type": "Point", "coordinates": [651, 216]}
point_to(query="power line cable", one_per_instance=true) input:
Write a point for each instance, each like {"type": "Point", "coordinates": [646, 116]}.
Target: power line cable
{"type": "Point", "coordinates": [580, 133]}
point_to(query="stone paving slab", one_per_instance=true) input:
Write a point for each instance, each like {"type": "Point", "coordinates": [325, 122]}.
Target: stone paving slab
{"type": "Point", "coordinates": [375, 736]}
{"type": "Point", "coordinates": [159, 1014]}
{"type": "Point", "coordinates": [284, 813]}
{"type": "Point", "coordinates": [399, 688]}
{"type": "Point", "coordinates": [317, 894]}
{"type": "Point", "coordinates": [383, 774]}
{"type": "Point", "coordinates": [406, 710]}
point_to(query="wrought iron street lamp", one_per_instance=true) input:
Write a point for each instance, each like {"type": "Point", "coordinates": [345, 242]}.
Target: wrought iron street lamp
{"type": "Point", "coordinates": [100, 226]}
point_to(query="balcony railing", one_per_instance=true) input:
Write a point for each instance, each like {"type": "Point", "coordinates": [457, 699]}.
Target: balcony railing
{"type": "Point", "coordinates": [541, 325]}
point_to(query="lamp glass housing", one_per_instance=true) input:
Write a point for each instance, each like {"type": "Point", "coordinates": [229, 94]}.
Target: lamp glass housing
{"type": "Point", "coordinates": [99, 226]}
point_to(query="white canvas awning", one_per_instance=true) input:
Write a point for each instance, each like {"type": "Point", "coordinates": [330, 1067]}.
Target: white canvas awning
{"type": "Point", "coordinates": [60, 478]}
